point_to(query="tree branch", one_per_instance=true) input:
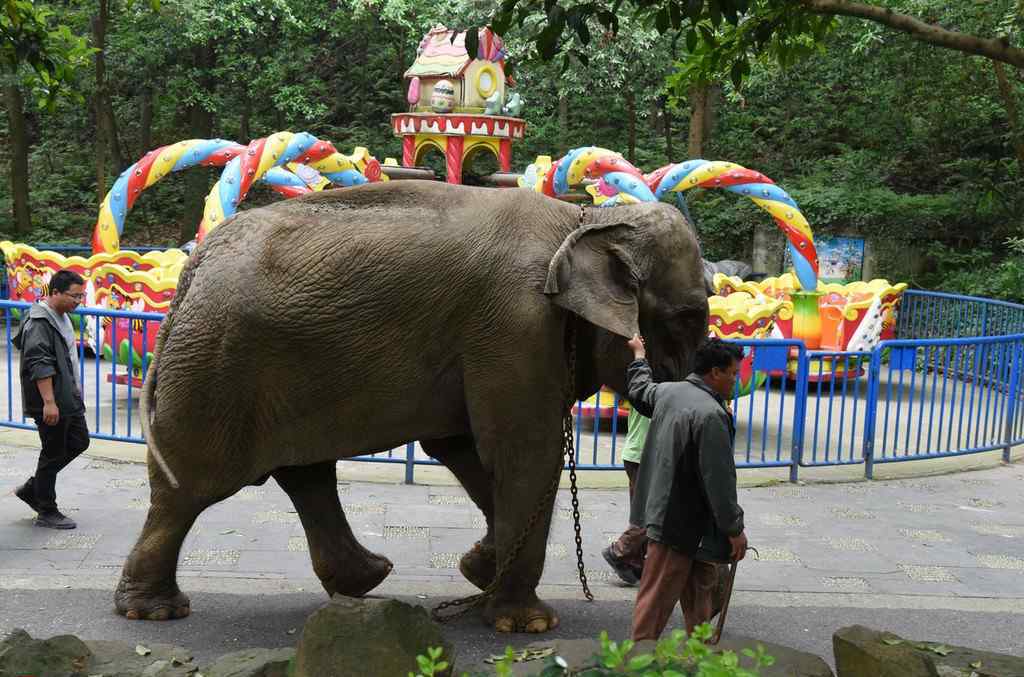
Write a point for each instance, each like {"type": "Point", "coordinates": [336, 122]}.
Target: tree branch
{"type": "Point", "coordinates": [993, 48]}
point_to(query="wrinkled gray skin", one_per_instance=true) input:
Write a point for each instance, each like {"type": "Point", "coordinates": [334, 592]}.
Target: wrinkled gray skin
{"type": "Point", "coordinates": [356, 320]}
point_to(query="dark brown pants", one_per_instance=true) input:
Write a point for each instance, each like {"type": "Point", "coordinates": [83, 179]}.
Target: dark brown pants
{"type": "Point", "coordinates": [632, 544]}
{"type": "Point", "coordinates": [671, 577]}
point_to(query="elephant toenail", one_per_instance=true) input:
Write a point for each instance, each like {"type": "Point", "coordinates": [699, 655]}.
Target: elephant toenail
{"type": "Point", "coordinates": [504, 625]}
{"type": "Point", "coordinates": [161, 614]}
{"type": "Point", "coordinates": [131, 615]}
{"type": "Point", "coordinates": [537, 625]}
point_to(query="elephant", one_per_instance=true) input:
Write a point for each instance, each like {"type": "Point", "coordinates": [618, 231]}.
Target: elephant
{"type": "Point", "coordinates": [466, 318]}
{"type": "Point", "coordinates": [728, 267]}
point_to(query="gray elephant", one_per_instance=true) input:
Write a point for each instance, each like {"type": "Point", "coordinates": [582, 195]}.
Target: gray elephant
{"type": "Point", "coordinates": [355, 320]}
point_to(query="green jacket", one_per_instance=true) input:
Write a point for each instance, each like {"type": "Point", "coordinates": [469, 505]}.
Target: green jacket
{"type": "Point", "coordinates": [44, 352]}
{"type": "Point", "coordinates": [686, 485]}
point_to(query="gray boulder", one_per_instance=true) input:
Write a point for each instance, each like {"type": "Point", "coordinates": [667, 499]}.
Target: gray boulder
{"type": "Point", "coordinates": [727, 267]}
{"type": "Point", "coordinates": [578, 655]}
{"type": "Point", "coordinates": [252, 663]}
{"type": "Point", "coordinates": [349, 636]}
{"type": "Point", "coordinates": [60, 656]}
{"type": "Point", "coordinates": [121, 659]}
{"type": "Point", "coordinates": [863, 652]}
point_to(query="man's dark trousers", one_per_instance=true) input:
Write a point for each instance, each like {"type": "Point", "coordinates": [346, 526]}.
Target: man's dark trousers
{"type": "Point", "coordinates": [62, 443]}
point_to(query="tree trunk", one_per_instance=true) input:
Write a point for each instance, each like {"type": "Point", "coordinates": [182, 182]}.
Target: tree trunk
{"type": "Point", "coordinates": [666, 114]}
{"type": "Point", "coordinates": [104, 108]}
{"type": "Point", "coordinates": [631, 116]}
{"type": "Point", "coordinates": [113, 140]}
{"type": "Point", "coordinates": [99, 39]}
{"type": "Point", "coordinates": [1010, 103]}
{"type": "Point", "coordinates": [698, 115]}
{"type": "Point", "coordinates": [146, 120]}
{"type": "Point", "coordinates": [997, 49]}
{"type": "Point", "coordinates": [17, 130]}
{"type": "Point", "coordinates": [563, 121]}
{"type": "Point", "coordinates": [711, 102]}
{"type": "Point", "coordinates": [200, 127]}
{"type": "Point", "coordinates": [245, 126]}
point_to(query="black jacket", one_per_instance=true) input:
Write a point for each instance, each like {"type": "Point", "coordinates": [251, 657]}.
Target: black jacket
{"type": "Point", "coordinates": [685, 493]}
{"type": "Point", "coordinates": [44, 352]}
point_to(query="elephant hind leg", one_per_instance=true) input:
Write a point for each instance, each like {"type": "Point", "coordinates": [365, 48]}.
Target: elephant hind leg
{"type": "Point", "coordinates": [459, 455]}
{"type": "Point", "coordinates": [341, 563]}
{"type": "Point", "coordinates": [148, 589]}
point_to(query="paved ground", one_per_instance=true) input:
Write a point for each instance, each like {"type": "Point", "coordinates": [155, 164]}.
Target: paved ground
{"type": "Point", "coordinates": [937, 558]}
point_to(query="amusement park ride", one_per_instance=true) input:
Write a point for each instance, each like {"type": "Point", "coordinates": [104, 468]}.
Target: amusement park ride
{"type": "Point", "coordinates": [461, 106]}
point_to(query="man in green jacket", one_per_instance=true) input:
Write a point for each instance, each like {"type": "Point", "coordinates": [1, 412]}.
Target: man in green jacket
{"type": "Point", "coordinates": [51, 395]}
{"type": "Point", "coordinates": [685, 494]}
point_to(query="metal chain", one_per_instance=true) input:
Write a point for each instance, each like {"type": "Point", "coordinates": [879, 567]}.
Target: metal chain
{"type": "Point", "coordinates": [472, 601]}
{"type": "Point", "coordinates": [568, 446]}
{"type": "Point", "coordinates": [570, 452]}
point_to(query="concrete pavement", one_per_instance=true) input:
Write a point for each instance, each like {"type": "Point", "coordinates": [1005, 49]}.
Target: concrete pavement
{"type": "Point", "coordinates": [936, 558]}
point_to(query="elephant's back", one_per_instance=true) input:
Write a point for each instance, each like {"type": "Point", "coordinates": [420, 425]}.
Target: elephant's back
{"type": "Point", "coordinates": [373, 253]}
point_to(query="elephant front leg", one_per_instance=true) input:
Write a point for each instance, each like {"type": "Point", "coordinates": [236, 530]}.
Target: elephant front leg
{"type": "Point", "coordinates": [460, 456]}
{"type": "Point", "coordinates": [524, 499]}
{"type": "Point", "coordinates": [341, 563]}
{"type": "Point", "coordinates": [526, 462]}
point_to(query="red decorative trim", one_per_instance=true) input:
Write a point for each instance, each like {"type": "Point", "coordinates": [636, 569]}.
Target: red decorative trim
{"type": "Point", "coordinates": [458, 124]}
{"type": "Point", "coordinates": [505, 155]}
{"type": "Point", "coordinates": [453, 159]}
{"type": "Point", "coordinates": [409, 151]}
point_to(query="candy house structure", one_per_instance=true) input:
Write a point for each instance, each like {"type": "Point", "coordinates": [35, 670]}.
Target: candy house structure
{"type": "Point", "coordinates": [459, 104]}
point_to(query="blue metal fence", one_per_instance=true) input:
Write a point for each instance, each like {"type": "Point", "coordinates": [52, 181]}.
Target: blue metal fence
{"type": "Point", "coordinates": [940, 389]}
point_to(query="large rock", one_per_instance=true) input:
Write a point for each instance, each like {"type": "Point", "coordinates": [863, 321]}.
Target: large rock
{"type": "Point", "coordinates": [578, 655]}
{"type": "Point", "coordinates": [60, 656]}
{"type": "Point", "coordinates": [863, 652]}
{"type": "Point", "coordinates": [350, 636]}
{"type": "Point", "coordinates": [252, 663]}
{"type": "Point", "coordinates": [121, 659]}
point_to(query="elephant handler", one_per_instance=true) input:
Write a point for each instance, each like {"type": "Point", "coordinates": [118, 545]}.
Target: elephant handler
{"type": "Point", "coordinates": [685, 493]}
{"type": "Point", "coordinates": [50, 393]}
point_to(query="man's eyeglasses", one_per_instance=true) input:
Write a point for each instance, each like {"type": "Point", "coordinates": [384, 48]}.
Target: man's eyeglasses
{"type": "Point", "coordinates": [78, 297]}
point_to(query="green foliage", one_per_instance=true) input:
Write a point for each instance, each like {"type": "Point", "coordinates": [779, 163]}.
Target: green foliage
{"type": "Point", "coordinates": [980, 271]}
{"type": "Point", "coordinates": [431, 664]}
{"type": "Point", "coordinates": [674, 656]}
{"type": "Point", "coordinates": [877, 136]}
{"type": "Point", "coordinates": [31, 36]}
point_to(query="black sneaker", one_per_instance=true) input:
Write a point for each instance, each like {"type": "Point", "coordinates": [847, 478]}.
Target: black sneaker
{"type": "Point", "coordinates": [622, 568]}
{"type": "Point", "coordinates": [25, 493]}
{"type": "Point", "coordinates": [55, 519]}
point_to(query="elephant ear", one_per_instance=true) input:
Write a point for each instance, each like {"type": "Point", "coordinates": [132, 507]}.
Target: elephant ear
{"type": "Point", "coordinates": [594, 275]}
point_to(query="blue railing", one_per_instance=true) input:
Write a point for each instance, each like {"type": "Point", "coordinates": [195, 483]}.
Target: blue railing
{"type": "Point", "coordinates": [939, 390]}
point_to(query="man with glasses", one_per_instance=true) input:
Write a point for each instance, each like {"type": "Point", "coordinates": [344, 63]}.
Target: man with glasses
{"type": "Point", "coordinates": [50, 393]}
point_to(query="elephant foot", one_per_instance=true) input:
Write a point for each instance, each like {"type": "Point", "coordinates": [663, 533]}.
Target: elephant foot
{"type": "Point", "coordinates": [138, 602]}
{"type": "Point", "coordinates": [357, 579]}
{"type": "Point", "coordinates": [479, 564]}
{"type": "Point", "coordinates": [530, 616]}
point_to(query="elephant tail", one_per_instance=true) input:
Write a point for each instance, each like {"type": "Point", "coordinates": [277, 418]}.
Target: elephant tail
{"type": "Point", "coordinates": [147, 401]}
{"type": "Point", "coordinates": [147, 404]}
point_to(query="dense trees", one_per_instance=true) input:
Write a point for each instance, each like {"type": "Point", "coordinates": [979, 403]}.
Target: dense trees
{"type": "Point", "coordinates": [873, 130]}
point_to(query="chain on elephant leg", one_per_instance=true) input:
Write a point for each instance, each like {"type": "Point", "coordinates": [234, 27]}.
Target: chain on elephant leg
{"type": "Point", "coordinates": [479, 561]}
